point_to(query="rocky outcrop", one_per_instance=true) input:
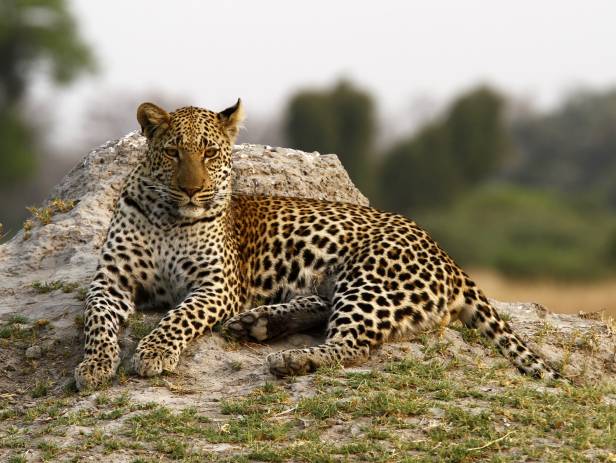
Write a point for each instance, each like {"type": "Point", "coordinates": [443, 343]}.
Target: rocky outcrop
{"type": "Point", "coordinates": [44, 271]}
{"type": "Point", "coordinates": [65, 250]}
{"type": "Point", "coordinates": [46, 267]}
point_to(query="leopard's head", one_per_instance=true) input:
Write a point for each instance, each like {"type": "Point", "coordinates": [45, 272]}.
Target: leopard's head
{"type": "Point", "coordinates": [189, 154]}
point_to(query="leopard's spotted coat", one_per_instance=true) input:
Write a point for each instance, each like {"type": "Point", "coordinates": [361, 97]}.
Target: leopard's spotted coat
{"type": "Point", "coordinates": [180, 238]}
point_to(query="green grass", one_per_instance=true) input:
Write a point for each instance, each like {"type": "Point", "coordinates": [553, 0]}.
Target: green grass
{"type": "Point", "coordinates": [397, 404]}
{"type": "Point", "coordinates": [18, 318]}
{"type": "Point", "coordinates": [43, 287]}
{"type": "Point", "coordinates": [40, 389]}
{"type": "Point", "coordinates": [139, 326]}
{"type": "Point", "coordinates": [434, 409]}
{"type": "Point", "coordinates": [46, 213]}
{"type": "Point", "coordinates": [16, 328]}
{"type": "Point", "coordinates": [81, 293]}
{"type": "Point", "coordinates": [20, 331]}
{"type": "Point", "coordinates": [49, 449]}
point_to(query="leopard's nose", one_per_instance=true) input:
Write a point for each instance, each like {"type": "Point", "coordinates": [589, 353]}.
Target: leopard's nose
{"type": "Point", "coordinates": [190, 191]}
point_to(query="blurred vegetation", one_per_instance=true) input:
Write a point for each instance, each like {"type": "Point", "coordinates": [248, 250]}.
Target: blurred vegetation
{"type": "Point", "coordinates": [572, 149]}
{"type": "Point", "coordinates": [340, 120]}
{"type": "Point", "coordinates": [447, 157]}
{"type": "Point", "coordinates": [531, 196]}
{"type": "Point", "coordinates": [41, 36]}
{"type": "Point", "coordinates": [524, 232]}
{"type": "Point", "coordinates": [17, 147]}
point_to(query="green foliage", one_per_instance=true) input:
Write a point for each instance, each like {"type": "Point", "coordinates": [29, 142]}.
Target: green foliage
{"type": "Point", "coordinates": [478, 136]}
{"type": "Point", "coordinates": [339, 120]}
{"type": "Point", "coordinates": [448, 156]}
{"type": "Point", "coordinates": [572, 148]}
{"type": "Point", "coordinates": [524, 232]}
{"type": "Point", "coordinates": [418, 173]}
{"type": "Point", "coordinates": [35, 35]}
{"type": "Point", "coordinates": [40, 389]}
{"type": "Point", "coordinates": [311, 122]}
{"type": "Point", "coordinates": [17, 150]}
{"type": "Point", "coordinates": [34, 32]}
{"type": "Point", "coordinates": [610, 248]}
{"type": "Point", "coordinates": [438, 176]}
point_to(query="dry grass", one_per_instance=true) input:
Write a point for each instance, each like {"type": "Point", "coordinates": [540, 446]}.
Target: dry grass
{"type": "Point", "coordinates": [43, 215]}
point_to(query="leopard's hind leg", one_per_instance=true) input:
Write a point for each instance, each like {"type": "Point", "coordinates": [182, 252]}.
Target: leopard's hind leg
{"type": "Point", "coordinates": [269, 321]}
{"type": "Point", "coordinates": [349, 336]}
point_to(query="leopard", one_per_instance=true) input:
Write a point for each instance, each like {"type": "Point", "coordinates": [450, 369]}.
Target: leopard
{"type": "Point", "coordinates": [263, 266]}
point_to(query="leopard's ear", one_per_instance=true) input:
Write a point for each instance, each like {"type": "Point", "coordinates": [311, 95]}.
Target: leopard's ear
{"type": "Point", "coordinates": [151, 118]}
{"type": "Point", "coordinates": [232, 119]}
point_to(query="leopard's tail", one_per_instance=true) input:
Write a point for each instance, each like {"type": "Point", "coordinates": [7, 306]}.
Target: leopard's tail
{"type": "Point", "coordinates": [479, 313]}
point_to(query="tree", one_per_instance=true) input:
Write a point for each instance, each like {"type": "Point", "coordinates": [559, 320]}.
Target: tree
{"type": "Point", "coordinates": [571, 149]}
{"type": "Point", "coordinates": [340, 120]}
{"type": "Point", "coordinates": [311, 123]}
{"type": "Point", "coordinates": [478, 136]}
{"type": "Point", "coordinates": [34, 35]}
{"type": "Point", "coordinates": [448, 156]}
{"type": "Point", "coordinates": [17, 147]}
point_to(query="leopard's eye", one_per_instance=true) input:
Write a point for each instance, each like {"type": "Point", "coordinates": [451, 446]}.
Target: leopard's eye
{"type": "Point", "coordinates": [211, 152]}
{"type": "Point", "coordinates": [171, 152]}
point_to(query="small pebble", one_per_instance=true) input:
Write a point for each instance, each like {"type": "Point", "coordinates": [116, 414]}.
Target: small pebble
{"type": "Point", "coordinates": [48, 345]}
{"type": "Point", "coordinates": [34, 352]}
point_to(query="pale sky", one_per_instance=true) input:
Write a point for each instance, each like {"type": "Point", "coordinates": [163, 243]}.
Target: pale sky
{"type": "Point", "coordinates": [262, 50]}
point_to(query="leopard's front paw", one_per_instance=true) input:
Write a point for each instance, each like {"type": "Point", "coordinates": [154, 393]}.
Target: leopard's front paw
{"type": "Point", "coordinates": [293, 362]}
{"type": "Point", "coordinates": [247, 325]}
{"type": "Point", "coordinates": [94, 372]}
{"type": "Point", "coordinates": [151, 361]}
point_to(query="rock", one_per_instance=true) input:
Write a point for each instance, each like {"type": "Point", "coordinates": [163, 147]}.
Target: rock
{"type": "Point", "coordinates": [66, 249]}
{"type": "Point", "coordinates": [34, 352]}
{"type": "Point", "coordinates": [65, 252]}
{"type": "Point", "coordinates": [48, 344]}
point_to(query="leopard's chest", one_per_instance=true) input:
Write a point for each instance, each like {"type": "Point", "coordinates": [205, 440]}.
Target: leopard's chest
{"type": "Point", "coordinates": [183, 260]}
{"type": "Point", "coordinates": [186, 257]}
